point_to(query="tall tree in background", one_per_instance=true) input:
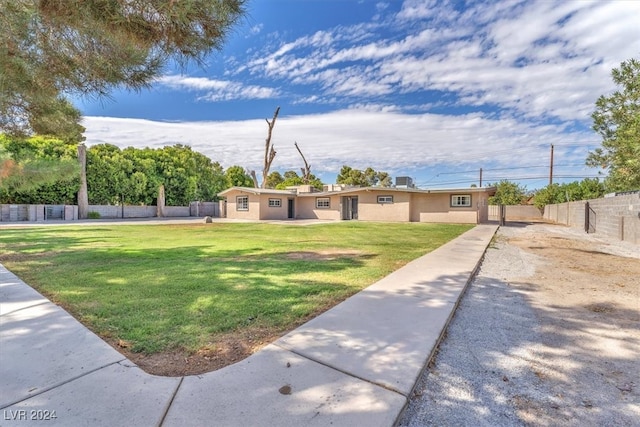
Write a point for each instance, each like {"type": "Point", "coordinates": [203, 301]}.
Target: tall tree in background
{"type": "Point", "coordinates": [617, 120]}
{"type": "Point", "coordinates": [306, 170]}
{"type": "Point", "coordinates": [559, 193]}
{"type": "Point", "coordinates": [292, 179]}
{"type": "Point", "coordinates": [507, 193]}
{"type": "Point", "coordinates": [367, 178]}
{"type": "Point", "coordinates": [237, 177]}
{"type": "Point", "coordinates": [37, 170]}
{"type": "Point", "coordinates": [51, 48]}
{"type": "Point", "coordinates": [269, 153]}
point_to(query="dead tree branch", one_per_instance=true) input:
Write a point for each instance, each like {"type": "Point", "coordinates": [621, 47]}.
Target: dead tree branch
{"type": "Point", "coordinates": [269, 151]}
{"type": "Point", "coordinates": [306, 170]}
{"type": "Point", "coordinates": [253, 176]}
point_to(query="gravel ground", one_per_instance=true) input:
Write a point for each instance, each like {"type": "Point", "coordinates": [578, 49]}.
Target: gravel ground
{"type": "Point", "coordinates": [547, 334]}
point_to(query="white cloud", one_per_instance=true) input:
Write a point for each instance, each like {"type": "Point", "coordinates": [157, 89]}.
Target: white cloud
{"type": "Point", "coordinates": [538, 59]}
{"type": "Point", "coordinates": [368, 136]}
{"type": "Point", "coordinates": [217, 90]}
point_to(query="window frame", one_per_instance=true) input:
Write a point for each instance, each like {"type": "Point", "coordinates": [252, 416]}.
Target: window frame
{"type": "Point", "coordinates": [385, 200]}
{"type": "Point", "coordinates": [244, 205]}
{"type": "Point", "coordinates": [459, 197]}
{"type": "Point", "coordinates": [320, 200]}
{"type": "Point", "coordinates": [275, 203]}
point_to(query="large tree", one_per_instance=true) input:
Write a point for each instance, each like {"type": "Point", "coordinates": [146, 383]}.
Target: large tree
{"type": "Point", "coordinates": [617, 120]}
{"type": "Point", "coordinates": [37, 170]}
{"type": "Point", "coordinates": [52, 48]}
{"type": "Point", "coordinates": [133, 176]}
{"type": "Point", "coordinates": [292, 179]}
{"type": "Point", "coordinates": [559, 193]}
{"type": "Point", "coordinates": [367, 178]}
{"type": "Point", "coordinates": [508, 193]}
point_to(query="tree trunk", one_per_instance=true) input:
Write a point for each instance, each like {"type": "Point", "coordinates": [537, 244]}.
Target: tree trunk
{"type": "Point", "coordinates": [253, 176]}
{"type": "Point", "coordinates": [160, 204]}
{"type": "Point", "coordinates": [83, 194]}
{"type": "Point", "coordinates": [306, 170]}
{"type": "Point", "coordinates": [269, 151]}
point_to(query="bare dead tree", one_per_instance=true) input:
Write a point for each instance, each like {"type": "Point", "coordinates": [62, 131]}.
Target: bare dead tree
{"type": "Point", "coordinates": [269, 151]}
{"type": "Point", "coordinates": [306, 170]}
{"type": "Point", "coordinates": [253, 176]}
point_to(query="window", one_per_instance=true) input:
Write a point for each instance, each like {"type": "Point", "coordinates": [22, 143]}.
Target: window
{"type": "Point", "coordinates": [323, 203]}
{"type": "Point", "coordinates": [461, 200]}
{"type": "Point", "coordinates": [385, 199]}
{"type": "Point", "coordinates": [275, 203]}
{"type": "Point", "coordinates": [242, 203]}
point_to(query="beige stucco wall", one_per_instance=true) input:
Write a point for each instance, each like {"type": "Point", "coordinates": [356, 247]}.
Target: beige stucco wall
{"type": "Point", "coordinates": [254, 206]}
{"type": "Point", "coordinates": [370, 210]}
{"type": "Point", "coordinates": [436, 207]}
{"type": "Point", "coordinates": [306, 208]}
{"type": "Point", "coordinates": [267, 212]}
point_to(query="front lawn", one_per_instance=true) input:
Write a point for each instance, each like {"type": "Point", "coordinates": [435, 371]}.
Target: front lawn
{"type": "Point", "coordinates": [158, 288]}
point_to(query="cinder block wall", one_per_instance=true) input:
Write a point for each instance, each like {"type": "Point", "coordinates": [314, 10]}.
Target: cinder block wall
{"type": "Point", "coordinates": [616, 217]}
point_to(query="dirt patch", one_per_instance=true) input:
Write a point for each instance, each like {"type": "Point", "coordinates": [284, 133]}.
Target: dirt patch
{"type": "Point", "coordinates": [227, 349]}
{"type": "Point", "coordinates": [587, 299]}
{"type": "Point", "coordinates": [579, 274]}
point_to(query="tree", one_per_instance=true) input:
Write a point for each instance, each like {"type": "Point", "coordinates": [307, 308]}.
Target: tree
{"type": "Point", "coordinates": [237, 177]}
{"type": "Point", "coordinates": [292, 179]}
{"type": "Point", "coordinates": [507, 193]}
{"type": "Point", "coordinates": [617, 120]}
{"type": "Point", "coordinates": [133, 176]}
{"type": "Point", "coordinates": [367, 178]}
{"type": "Point", "coordinates": [37, 170]}
{"type": "Point", "coordinates": [269, 153]}
{"type": "Point", "coordinates": [274, 179]}
{"type": "Point", "coordinates": [52, 48]}
{"type": "Point", "coordinates": [306, 170]}
{"type": "Point", "coordinates": [569, 192]}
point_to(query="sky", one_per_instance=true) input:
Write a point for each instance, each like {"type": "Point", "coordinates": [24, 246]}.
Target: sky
{"type": "Point", "coordinates": [432, 90]}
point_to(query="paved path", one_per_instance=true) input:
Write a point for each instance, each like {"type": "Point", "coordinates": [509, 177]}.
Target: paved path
{"type": "Point", "coordinates": [353, 365]}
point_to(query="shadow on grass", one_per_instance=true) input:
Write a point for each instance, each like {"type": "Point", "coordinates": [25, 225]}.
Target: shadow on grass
{"type": "Point", "coordinates": [159, 299]}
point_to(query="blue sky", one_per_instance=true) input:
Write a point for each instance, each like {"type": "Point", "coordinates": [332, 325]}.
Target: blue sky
{"type": "Point", "coordinates": [434, 90]}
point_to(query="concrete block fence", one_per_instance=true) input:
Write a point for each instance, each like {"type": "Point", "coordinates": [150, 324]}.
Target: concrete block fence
{"type": "Point", "coordinates": [617, 216]}
{"type": "Point", "coordinates": [12, 213]}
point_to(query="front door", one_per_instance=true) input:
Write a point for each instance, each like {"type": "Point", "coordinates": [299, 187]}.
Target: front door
{"type": "Point", "coordinates": [349, 207]}
{"type": "Point", "coordinates": [291, 212]}
{"type": "Point", "coordinates": [354, 208]}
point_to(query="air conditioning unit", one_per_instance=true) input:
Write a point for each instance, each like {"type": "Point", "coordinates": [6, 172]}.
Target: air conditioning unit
{"type": "Point", "coordinates": [404, 182]}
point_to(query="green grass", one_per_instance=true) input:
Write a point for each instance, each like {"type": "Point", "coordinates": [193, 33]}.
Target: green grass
{"type": "Point", "coordinates": [169, 287]}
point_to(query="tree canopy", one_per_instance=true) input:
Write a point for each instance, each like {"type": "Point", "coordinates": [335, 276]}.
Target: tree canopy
{"type": "Point", "coordinates": [508, 193]}
{"type": "Point", "coordinates": [52, 48]}
{"type": "Point", "coordinates": [37, 170]}
{"type": "Point", "coordinates": [617, 120]}
{"type": "Point", "coordinates": [236, 176]}
{"type": "Point", "coordinates": [132, 176]}
{"type": "Point", "coordinates": [291, 179]}
{"type": "Point", "coordinates": [559, 193]}
{"type": "Point", "coordinates": [367, 178]}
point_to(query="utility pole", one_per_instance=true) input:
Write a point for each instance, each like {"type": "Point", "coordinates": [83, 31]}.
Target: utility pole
{"type": "Point", "coordinates": [551, 167]}
{"type": "Point", "coordinates": [480, 177]}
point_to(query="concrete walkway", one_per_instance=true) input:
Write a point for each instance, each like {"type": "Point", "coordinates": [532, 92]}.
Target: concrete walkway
{"type": "Point", "coordinates": [356, 364]}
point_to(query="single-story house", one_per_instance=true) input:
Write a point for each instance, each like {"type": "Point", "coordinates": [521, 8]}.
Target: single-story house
{"type": "Point", "coordinates": [389, 204]}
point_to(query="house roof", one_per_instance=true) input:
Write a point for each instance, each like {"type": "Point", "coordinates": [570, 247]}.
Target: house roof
{"type": "Point", "coordinates": [258, 191]}
{"type": "Point", "coordinates": [400, 190]}
{"type": "Point", "coordinates": [251, 190]}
